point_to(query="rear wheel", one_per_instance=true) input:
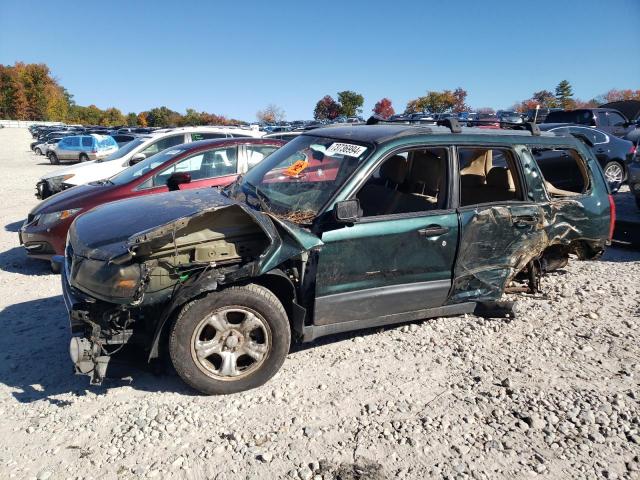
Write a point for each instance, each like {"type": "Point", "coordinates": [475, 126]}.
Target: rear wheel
{"type": "Point", "coordinates": [53, 158]}
{"type": "Point", "coordinates": [230, 341]}
{"type": "Point", "coordinates": [614, 172]}
{"type": "Point", "coordinates": [83, 157]}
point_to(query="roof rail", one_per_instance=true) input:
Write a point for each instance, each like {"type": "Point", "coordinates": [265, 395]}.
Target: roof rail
{"type": "Point", "coordinates": [451, 123]}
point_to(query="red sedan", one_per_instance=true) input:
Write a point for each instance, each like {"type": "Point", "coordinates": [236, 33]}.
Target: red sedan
{"type": "Point", "coordinates": [207, 163]}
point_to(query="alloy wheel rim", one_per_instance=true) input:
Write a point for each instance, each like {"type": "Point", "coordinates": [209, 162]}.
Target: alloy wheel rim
{"type": "Point", "coordinates": [613, 173]}
{"type": "Point", "coordinates": [231, 343]}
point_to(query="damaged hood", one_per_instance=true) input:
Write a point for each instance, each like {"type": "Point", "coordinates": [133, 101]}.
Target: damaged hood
{"type": "Point", "coordinates": [141, 224]}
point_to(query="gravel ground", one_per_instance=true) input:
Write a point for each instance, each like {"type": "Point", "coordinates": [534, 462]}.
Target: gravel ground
{"type": "Point", "coordinates": [553, 393]}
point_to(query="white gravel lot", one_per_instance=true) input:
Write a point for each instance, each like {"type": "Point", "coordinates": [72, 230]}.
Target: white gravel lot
{"type": "Point", "coordinates": [553, 393]}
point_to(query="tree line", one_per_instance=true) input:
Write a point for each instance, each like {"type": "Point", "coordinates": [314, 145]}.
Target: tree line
{"type": "Point", "coordinates": [28, 91]}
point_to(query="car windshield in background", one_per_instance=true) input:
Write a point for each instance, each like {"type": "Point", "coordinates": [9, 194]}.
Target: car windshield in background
{"type": "Point", "coordinates": [124, 150]}
{"type": "Point", "coordinates": [148, 164]}
{"type": "Point", "coordinates": [296, 181]}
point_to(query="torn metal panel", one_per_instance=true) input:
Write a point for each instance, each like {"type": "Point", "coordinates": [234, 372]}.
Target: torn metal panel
{"type": "Point", "coordinates": [496, 242]}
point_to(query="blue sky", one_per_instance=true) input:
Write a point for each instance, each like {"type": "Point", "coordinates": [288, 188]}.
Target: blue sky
{"type": "Point", "coordinates": [235, 58]}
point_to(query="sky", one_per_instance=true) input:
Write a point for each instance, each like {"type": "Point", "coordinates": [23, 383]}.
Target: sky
{"type": "Point", "coordinates": [236, 58]}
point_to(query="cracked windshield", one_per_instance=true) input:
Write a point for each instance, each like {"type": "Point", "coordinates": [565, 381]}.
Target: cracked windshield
{"type": "Point", "coordinates": [295, 182]}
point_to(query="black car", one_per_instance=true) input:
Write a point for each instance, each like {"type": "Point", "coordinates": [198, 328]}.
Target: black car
{"type": "Point", "coordinates": [609, 120]}
{"type": "Point", "coordinates": [614, 154]}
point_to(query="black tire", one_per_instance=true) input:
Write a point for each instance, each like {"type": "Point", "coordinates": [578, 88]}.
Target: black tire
{"type": "Point", "coordinates": [53, 158]}
{"type": "Point", "coordinates": [637, 201]}
{"type": "Point", "coordinates": [55, 267]}
{"type": "Point", "coordinates": [83, 157]}
{"type": "Point", "coordinates": [254, 298]}
{"type": "Point", "coordinates": [37, 151]}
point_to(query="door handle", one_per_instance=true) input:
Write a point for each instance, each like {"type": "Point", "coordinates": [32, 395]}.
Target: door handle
{"type": "Point", "coordinates": [525, 220]}
{"type": "Point", "coordinates": [433, 231]}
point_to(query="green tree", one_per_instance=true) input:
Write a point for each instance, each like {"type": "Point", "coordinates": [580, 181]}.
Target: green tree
{"type": "Point", "coordinates": [112, 117]}
{"type": "Point", "coordinates": [564, 94]}
{"type": "Point", "coordinates": [132, 119]}
{"type": "Point", "coordinates": [350, 103]}
{"type": "Point", "coordinates": [162, 117]}
{"type": "Point", "coordinates": [545, 99]}
{"type": "Point", "coordinates": [440, 102]}
{"type": "Point", "coordinates": [193, 118]}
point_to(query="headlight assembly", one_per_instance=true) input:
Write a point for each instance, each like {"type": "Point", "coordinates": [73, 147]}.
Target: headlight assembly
{"type": "Point", "coordinates": [46, 219]}
{"type": "Point", "coordinates": [57, 181]}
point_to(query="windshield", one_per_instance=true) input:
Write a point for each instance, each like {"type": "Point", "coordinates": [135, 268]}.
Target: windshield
{"type": "Point", "coordinates": [146, 165]}
{"type": "Point", "coordinates": [296, 181]}
{"type": "Point", "coordinates": [121, 152]}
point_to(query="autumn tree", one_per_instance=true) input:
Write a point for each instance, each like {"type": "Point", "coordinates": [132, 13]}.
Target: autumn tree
{"type": "Point", "coordinates": [13, 100]}
{"type": "Point", "coordinates": [142, 119]}
{"type": "Point", "coordinates": [326, 109]}
{"type": "Point", "coordinates": [271, 114]}
{"type": "Point", "coordinates": [564, 94]}
{"type": "Point", "coordinates": [350, 103]}
{"type": "Point", "coordinates": [460, 96]}
{"type": "Point", "coordinates": [384, 108]}
{"type": "Point", "coordinates": [162, 117]}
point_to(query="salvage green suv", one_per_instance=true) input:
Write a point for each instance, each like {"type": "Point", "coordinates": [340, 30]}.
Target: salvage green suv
{"type": "Point", "coordinates": [343, 228]}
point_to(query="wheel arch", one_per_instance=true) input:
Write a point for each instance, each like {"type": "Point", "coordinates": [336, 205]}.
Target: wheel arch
{"type": "Point", "coordinates": [276, 281]}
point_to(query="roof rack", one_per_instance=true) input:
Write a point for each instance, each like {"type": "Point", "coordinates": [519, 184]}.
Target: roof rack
{"type": "Point", "coordinates": [454, 125]}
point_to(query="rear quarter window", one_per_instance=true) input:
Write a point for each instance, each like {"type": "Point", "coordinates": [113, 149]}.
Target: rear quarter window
{"type": "Point", "coordinates": [564, 170]}
{"type": "Point", "coordinates": [87, 141]}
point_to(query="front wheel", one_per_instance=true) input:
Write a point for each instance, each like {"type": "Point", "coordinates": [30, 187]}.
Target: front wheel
{"type": "Point", "coordinates": [37, 151]}
{"type": "Point", "coordinates": [614, 172]}
{"type": "Point", "coordinates": [230, 341]}
{"type": "Point", "coordinates": [53, 158]}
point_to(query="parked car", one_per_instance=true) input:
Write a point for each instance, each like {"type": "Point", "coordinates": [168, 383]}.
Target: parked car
{"type": "Point", "coordinates": [634, 177]}
{"type": "Point", "coordinates": [631, 110]}
{"type": "Point", "coordinates": [43, 148]}
{"type": "Point", "coordinates": [614, 154]}
{"type": "Point", "coordinates": [205, 163]}
{"type": "Point", "coordinates": [82, 148]}
{"type": "Point", "coordinates": [138, 149]}
{"type": "Point", "coordinates": [509, 117]}
{"type": "Point", "coordinates": [608, 120]}
{"type": "Point", "coordinates": [485, 120]}
{"type": "Point", "coordinates": [538, 115]}
{"type": "Point", "coordinates": [340, 229]}
{"type": "Point", "coordinates": [45, 138]}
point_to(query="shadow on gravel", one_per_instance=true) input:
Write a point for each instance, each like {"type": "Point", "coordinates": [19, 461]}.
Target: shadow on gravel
{"type": "Point", "coordinates": [34, 358]}
{"type": "Point", "coordinates": [13, 227]}
{"type": "Point", "coordinates": [15, 260]}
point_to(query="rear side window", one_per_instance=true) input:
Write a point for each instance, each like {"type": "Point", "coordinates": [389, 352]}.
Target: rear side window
{"type": "Point", "coordinates": [616, 120]}
{"type": "Point", "coordinates": [87, 141]}
{"type": "Point", "coordinates": [73, 141]}
{"type": "Point", "coordinates": [206, 136]}
{"type": "Point", "coordinates": [257, 153]}
{"type": "Point", "coordinates": [564, 171]}
{"type": "Point", "coordinates": [163, 144]}
{"type": "Point", "coordinates": [488, 175]}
